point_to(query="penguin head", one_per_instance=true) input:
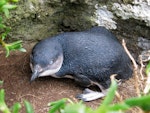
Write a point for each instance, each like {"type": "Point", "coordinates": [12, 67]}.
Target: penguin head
{"type": "Point", "coordinates": [46, 59]}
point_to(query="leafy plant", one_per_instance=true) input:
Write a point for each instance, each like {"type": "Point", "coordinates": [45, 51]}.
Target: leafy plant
{"type": "Point", "coordinates": [5, 6]}
{"type": "Point", "coordinates": [67, 106]}
{"type": "Point", "coordinates": [15, 108]}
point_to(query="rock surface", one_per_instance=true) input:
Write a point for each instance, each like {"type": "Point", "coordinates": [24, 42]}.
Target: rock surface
{"type": "Point", "coordinates": [37, 19]}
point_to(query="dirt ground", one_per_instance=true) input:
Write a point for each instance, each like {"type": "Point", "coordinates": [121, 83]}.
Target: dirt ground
{"type": "Point", "coordinates": [16, 73]}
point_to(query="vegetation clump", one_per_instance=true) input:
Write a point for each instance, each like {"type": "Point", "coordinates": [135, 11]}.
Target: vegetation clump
{"type": "Point", "coordinates": [5, 6]}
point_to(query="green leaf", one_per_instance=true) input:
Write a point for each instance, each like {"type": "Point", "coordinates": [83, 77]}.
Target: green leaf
{"type": "Point", "coordinates": [148, 68]}
{"type": "Point", "coordinates": [22, 50]}
{"type": "Point", "coordinates": [118, 107]}
{"type": "Point", "coordinates": [3, 106]}
{"type": "Point", "coordinates": [2, 96]}
{"type": "Point", "coordinates": [57, 105]}
{"type": "Point", "coordinates": [4, 35]}
{"type": "Point", "coordinates": [16, 42]}
{"type": "Point", "coordinates": [111, 93]}
{"type": "Point", "coordinates": [142, 102]}
{"type": "Point", "coordinates": [7, 51]}
{"type": "Point", "coordinates": [6, 12]}
{"type": "Point", "coordinates": [2, 26]}
{"type": "Point", "coordinates": [16, 107]}
{"type": "Point", "coordinates": [14, 0]}
{"type": "Point", "coordinates": [108, 99]}
{"type": "Point", "coordinates": [14, 46]}
{"type": "Point", "coordinates": [9, 6]}
{"type": "Point", "coordinates": [28, 106]}
{"type": "Point", "coordinates": [2, 2]}
{"type": "Point", "coordinates": [75, 108]}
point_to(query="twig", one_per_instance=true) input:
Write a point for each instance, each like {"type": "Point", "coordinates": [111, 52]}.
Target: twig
{"type": "Point", "coordinates": [28, 96]}
{"type": "Point", "coordinates": [112, 77]}
{"type": "Point", "coordinates": [147, 86]}
{"type": "Point", "coordinates": [119, 97]}
{"type": "Point", "coordinates": [141, 69]}
{"type": "Point", "coordinates": [135, 71]}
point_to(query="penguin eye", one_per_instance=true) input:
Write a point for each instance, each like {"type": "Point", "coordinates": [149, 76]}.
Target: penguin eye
{"type": "Point", "coordinates": [52, 61]}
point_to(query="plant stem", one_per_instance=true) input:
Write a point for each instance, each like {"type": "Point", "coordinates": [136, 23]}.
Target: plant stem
{"type": "Point", "coordinates": [2, 42]}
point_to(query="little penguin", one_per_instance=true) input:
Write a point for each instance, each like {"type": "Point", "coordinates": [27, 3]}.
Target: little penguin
{"type": "Point", "coordinates": [89, 57]}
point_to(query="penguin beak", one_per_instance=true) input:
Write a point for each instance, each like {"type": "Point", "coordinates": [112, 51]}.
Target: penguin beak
{"type": "Point", "coordinates": [35, 75]}
{"type": "Point", "coordinates": [35, 72]}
